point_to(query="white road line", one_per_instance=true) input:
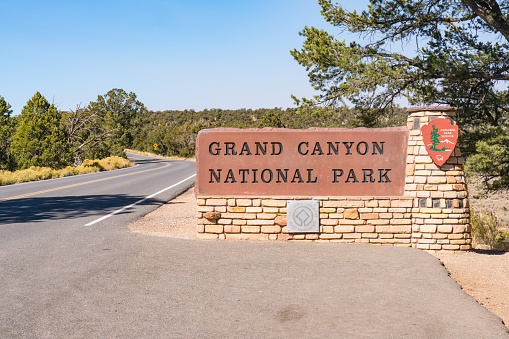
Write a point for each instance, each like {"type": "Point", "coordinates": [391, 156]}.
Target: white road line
{"type": "Point", "coordinates": [137, 202]}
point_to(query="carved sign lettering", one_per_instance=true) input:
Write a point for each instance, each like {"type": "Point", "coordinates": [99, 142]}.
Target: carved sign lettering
{"type": "Point", "coordinates": [313, 162]}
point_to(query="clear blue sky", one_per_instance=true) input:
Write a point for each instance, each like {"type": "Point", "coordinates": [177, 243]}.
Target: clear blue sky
{"type": "Point", "coordinates": [175, 54]}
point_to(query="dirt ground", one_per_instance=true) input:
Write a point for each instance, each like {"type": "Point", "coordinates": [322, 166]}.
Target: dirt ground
{"type": "Point", "coordinates": [484, 275]}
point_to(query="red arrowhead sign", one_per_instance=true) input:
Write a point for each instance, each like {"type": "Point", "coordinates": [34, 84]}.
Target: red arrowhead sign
{"type": "Point", "coordinates": [440, 138]}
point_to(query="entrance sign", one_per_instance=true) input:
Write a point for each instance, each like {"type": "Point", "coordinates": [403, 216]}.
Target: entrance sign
{"type": "Point", "coordinates": [440, 138]}
{"type": "Point", "coordinates": [312, 162]}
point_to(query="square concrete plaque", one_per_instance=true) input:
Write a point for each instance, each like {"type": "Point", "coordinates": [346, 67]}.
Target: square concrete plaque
{"type": "Point", "coordinates": [303, 216]}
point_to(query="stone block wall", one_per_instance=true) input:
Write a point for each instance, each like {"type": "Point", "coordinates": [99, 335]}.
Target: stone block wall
{"type": "Point", "coordinates": [433, 214]}
{"type": "Point", "coordinates": [441, 214]}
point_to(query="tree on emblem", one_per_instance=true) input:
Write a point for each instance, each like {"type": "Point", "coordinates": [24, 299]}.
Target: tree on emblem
{"type": "Point", "coordinates": [435, 141]}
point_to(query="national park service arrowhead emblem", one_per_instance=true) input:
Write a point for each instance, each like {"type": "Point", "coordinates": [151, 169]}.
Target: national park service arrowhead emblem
{"type": "Point", "coordinates": [440, 138]}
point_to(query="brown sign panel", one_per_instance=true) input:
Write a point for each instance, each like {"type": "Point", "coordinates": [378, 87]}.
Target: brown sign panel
{"type": "Point", "coordinates": [440, 138]}
{"type": "Point", "coordinates": [312, 162]}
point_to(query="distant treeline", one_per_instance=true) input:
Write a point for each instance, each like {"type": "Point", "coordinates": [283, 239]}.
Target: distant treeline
{"type": "Point", "coordinates": [43, 135]}
{"type": "Point", "coordinates": [175, 131]}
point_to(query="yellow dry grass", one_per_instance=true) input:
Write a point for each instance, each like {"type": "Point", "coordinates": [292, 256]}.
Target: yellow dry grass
{"type": "Point", "coordinates": [35, 173]}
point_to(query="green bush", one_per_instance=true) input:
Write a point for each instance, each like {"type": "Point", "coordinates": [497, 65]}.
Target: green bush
{"type": "Point", "coordinates": [502, 242]}
{"type": "Point", "coordinates": [486, 231]}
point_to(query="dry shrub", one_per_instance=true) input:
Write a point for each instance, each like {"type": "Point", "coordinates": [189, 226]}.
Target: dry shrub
{"type": "Point", "coordinates": [487, 232]}
{"type": "Point", "coordinates": [41, 173]}
{"type": "Point", "coordinates": [114, 163]}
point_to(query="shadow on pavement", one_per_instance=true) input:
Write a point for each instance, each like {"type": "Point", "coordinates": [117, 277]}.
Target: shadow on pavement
{"type": "Point", "coordinates": [56, 208]}
{"type": "Point", "coordinates": [488, 252]}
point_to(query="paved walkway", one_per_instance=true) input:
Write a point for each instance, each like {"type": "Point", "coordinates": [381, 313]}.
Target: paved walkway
{"type": "Point", "coordinates": [288, 290]}
{"type": "Point", "coordinates": [140, 286]}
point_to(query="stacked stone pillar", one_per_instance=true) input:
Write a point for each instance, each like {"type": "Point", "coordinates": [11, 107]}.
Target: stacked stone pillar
{"type": "Point", "coordinates": [440, 214]}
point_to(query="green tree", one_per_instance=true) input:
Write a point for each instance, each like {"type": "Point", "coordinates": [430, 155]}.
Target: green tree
{"type": "Point", "coordinates": [454, 53]}
{"type": "Point", "coordinates": [271, 119]}
{"type": "Point", "coordinates": [430, 52]}
{"type": "Point", "coordinates": [39, 139]}
{"type": "Point", "coordinates": [434, 138]}
{"type": "Point", "coordinates": [119, 113]}
{"type": "Point", "coordinates": [6, 131]}
{"type": "Point", "coordinates": [492, 161]}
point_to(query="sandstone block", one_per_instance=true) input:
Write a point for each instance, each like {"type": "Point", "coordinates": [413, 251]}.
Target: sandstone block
{"type": "Point", "coordinates": [224, 221]}
{"type": "Point", "coordinates": [371, 203]}
{"type": "Point", "coordinates": [445, 229]}
{"type": "Point", "coordinates": [365, 229]}
{"type": "Point", "coordinates": [351, 213]}
{"type": "Point", "coordinates": [460, 229]}
{"type": "Point", "coordinates": [378, 222]}
{"type": "Point", "coordinates": [281, 220]}
{"type": "Point", "coordinates": [437, 180]}
{"type": "Point", "coordinates": [274, 203]}
{"type": "Point", "coordinates": [212, 215]}
{"type": "Point", "coordinates": [329, 222]}
{"type": "Point", "coordinates": [236, 209]}
{"type": "Point", "coordinates": [402, 203]}
{"type": "Point", "coordinates": [260, 222]}
{"type": "Point", "coordinates": [451, 179]}
{"type": "Point", "coordinates": [244, 202]}
{"type": "Point", "coordinates": [327, 229]}
{"type": "Point", "coordinates": [232, 229]}
{"type": "Point", "coordinates": [204, 209]}
{"type": "Point", "coordinates": [394, 229]}
{"type": "Point", "coordinates": [284, 236]}
{"type": "Point", "coordinates": [428, 228]}
{"type": "Point", "coordinates": [331, 236]}
{"type": "Point", "coordinates": [401, 222]}
{"type": "Point", "coordinates": [250, 229]}
{"type": "Point", "coordinates": [450, 247]}
{"type": "Point", "coordinates": [344, 203]}
{"type": "Point", "coordinates": [254, 209]}
{"type": "Point", "coordinates": [351, 222]}
{"type": "Point", "coordinates": [422, 159]}
{"type": "Point", "coordinates": [266, 216]}
{"type": "Point", "coordinates": [344, 229]}
{"type": "Point", "coordinates": [370, 216]}
{"type": "Point", "coordinates": [213, 228]}
{"type": "Point", "coordinates": [271, 229]}
{"type": "Point", "coordinates": [216, 202]}
{"type": "Point", "coordinates": [352, 236]}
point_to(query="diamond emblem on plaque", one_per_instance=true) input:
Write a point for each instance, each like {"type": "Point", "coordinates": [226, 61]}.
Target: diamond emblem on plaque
{"type": "Point", "coordinates": [303, 216]}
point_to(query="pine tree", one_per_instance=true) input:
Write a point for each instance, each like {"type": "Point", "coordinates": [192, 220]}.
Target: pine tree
{"type": "Point", "coordinates": [39, 139]}
{"type": "Point", "coordinates": [271, 119]}
{"type": "Point", "coordinates": [434, 138]}
{"type": "Point", "coordinates": [6, 131]}
{"type": "Point", "coordinates": [120, 113]}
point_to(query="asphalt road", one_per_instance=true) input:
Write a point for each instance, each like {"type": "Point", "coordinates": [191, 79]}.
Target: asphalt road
{"type": "Point", "coordinates": [62, 279]}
